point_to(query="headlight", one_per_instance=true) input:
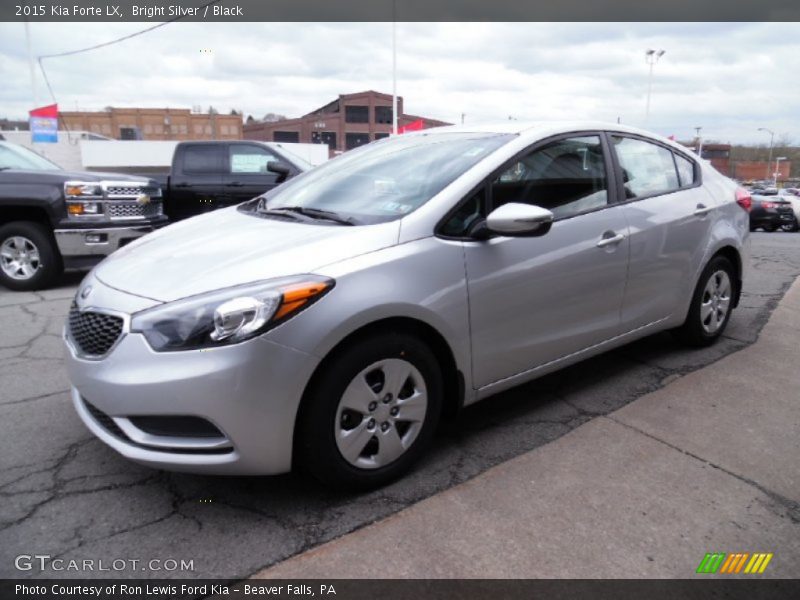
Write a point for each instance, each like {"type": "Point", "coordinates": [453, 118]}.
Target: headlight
{"type": "Point", "coordinates": [228, 316]}
{"type": "Point", "coordinates": [76, 189]}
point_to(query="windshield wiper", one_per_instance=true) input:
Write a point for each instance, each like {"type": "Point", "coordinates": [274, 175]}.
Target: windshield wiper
{"type": "Point", "coordinates": [314, 213]}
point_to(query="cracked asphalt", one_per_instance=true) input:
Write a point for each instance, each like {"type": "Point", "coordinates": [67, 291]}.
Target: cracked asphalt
{"type": "Point", "coordinates": [66, 495]}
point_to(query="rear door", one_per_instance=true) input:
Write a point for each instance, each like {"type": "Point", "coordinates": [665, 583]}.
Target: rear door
{"type": "Point", "coordinates": [196, 181]}
{"type": "Point", "coordinates": [247, 175]}
{"type": "Point", "coordinates": [670, 216]}
{"type": "Point", "coordinates": [537, 299]}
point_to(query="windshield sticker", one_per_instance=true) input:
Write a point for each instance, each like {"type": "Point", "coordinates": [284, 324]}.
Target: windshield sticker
{"type": "Point", "coordinates": [474, 151]}
{"type": "Point", "coordinates": [384, 186]}
{"type": "Point", "coordinates": [396, 207]}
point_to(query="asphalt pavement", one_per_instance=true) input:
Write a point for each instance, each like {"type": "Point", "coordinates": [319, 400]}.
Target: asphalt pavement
{"type": "Point", "coordinates": [66, 495]}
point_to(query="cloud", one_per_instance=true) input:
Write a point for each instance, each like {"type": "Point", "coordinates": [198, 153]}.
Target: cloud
{"type": "Point", "coordinates": [730, 78]}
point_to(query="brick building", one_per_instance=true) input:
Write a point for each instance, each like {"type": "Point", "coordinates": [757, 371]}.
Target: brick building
{"type": "Point", "coordinates": [719, 155]}
{"type": "Point", "coordinates": [348, 122]}
{"type": "Point", "coordinates": [745, 170]}
{"type": "Point", "coordinates": [154, 124]}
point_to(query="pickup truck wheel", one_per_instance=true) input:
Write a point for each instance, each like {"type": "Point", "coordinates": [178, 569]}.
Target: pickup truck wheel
{"type": "Point", "coordinates": [29, 259]}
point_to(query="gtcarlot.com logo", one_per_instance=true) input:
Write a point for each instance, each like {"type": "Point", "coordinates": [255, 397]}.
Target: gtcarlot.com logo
{"type": "Point", "coordinates": [44, 562]}
{"type": "Point", "coordinates": [737, 562]}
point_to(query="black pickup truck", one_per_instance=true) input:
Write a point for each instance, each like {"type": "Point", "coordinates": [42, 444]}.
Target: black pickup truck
{"type": "Point", "coordinates": [209, 175]}
{"type": "Point", "coordinates": [51, 219]}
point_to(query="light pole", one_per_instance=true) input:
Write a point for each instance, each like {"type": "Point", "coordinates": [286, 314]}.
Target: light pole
{"type": "Point", "coordinates": [651, 58]}
{"type": "Point", "coordinates": [777, 170]}
{"type": "Point", "coordinates": [394, 67]}
{"type": "Point", "coordinates": [771, 140]}
{"type": "Point", "coordinates": [698, 129]}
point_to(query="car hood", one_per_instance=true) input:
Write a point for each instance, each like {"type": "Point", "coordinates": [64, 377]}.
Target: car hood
{"type": "Point", "coordinates": [227, 247]}
{"type": "Point", "coordinates": [60, 176]}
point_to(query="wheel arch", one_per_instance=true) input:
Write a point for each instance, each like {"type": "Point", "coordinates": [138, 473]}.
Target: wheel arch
{"type": "Point", "coordinates": [452, 377]}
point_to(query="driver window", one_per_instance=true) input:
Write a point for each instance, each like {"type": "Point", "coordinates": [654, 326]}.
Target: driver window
{"type": "Point", "coordinates": [250, 160]}
{"type": "Point", "coordinates": [567, 177]}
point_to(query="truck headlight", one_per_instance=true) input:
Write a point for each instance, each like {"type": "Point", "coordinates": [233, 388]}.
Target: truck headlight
{"type": "Point", "coordinates": [76, 189]}
{"type": "Point", "coordinates": [228, 316]}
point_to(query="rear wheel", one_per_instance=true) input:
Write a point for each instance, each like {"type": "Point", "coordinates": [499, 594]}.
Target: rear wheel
{"type": "Point", "coordinates": [371, 412]}
{"type": "Point", "coordinates": [712, 304]}
{"type": "Point", "coordinates": [29, 259]}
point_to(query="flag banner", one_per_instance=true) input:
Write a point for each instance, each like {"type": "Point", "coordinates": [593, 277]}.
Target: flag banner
{"type": "Point", "coordinates": [44, 124]}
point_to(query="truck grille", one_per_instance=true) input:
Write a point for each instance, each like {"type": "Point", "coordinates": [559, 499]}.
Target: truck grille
{"type": "Point", "coordinates": [127, 190]}
{"type": "Point", "coordinates": [93, 333]}
{"type": "Point", "coordinates": [128, 210]}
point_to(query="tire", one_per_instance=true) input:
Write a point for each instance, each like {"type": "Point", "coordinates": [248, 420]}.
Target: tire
{"type": "Point", "coordinates": [768, 228]}
{"type": "Point", "coordinates": [708, 318]}
{"type": "Point", "coordinates": [343, 438]}
{"type": "Point", "coordinates": [29, 258]}
{"type": "Point", "coordinates": [790, 227]}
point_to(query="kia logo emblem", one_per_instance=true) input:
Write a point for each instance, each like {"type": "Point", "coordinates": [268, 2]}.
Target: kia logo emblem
{"type": "Point", "coordinates": [85, 292]}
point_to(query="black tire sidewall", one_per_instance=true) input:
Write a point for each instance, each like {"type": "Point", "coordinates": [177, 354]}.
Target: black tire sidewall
{"type": "Point", "coordinates": [51, 264]}
{"type": "Point", "coordinates": [317, 447]}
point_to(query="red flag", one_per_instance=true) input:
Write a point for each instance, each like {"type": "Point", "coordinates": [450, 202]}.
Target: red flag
{"type": "Point", "coordinates": [48, 112]}
{"type": "Point", "coordinates": [672, 137]}
{"type": "Point", "coordinates": [413, 126]}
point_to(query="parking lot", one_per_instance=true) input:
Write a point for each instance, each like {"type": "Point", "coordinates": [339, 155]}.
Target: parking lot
{"type": "Point", "coordinates": [67, 495]}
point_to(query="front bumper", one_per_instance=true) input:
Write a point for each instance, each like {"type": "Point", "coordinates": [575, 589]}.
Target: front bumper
{"type": "Point", "coordinates": [250, 392]}
{"type": "Point", "coordinates": [99, 241]}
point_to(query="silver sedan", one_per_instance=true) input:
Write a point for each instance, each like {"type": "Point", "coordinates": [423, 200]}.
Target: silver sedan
{"type": "Point", "coordinates": [330, 323]}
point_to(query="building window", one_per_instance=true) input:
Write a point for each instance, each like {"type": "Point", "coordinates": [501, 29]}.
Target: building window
{"type": "Point", "coordinates": [324, 137]}
{"type": "Point", "coordinates": [383, 114]}
{"type": "Point", "coordinates": [356, 114]}
{"type": "Point", "coordinates": [291, 137]}
{"type": "Point", "coordinates": [198, 128]}
{"type": "Point", "coordinates": [223, 129]}
{"type": "Point", "coordinates": [380, 136]}
{"type": "Point", "coordinates": [354, 140]}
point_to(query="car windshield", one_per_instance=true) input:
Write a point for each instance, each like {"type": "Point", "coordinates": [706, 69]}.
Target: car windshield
{"type": "Point", "coordinates": [18, 157]}
{"type": "Point", "coordinates": [384, 180]}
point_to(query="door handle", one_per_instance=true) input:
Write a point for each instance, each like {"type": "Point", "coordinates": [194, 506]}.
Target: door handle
{"type": "Point", "coordinates": [182, 185]}
{"type": "Point", "coordinates": [608, 241]}
{"type": "Point", "coordinates": [234, 184]}
{"type": "Point", "coordinates": [702, 210]}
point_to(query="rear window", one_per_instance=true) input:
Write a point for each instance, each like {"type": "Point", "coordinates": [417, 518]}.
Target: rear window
{"type": "Point", "coordinates": [202, 159]}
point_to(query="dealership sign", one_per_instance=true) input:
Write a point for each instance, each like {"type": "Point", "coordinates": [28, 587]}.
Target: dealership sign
{"type": "Point", "coordinates": [44, 124]}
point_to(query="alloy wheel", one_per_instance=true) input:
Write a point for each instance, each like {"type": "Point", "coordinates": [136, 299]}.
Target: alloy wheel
{"type": "Point", "coordinates": [19, 257]}
{"type": "Point", "coordinates": [716, 301]}
{"type": "Point", "coordinates": [380, 413]}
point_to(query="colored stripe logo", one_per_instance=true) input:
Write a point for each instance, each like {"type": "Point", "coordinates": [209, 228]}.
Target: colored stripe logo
{"type": "Point", "coordinates": [737, 562]}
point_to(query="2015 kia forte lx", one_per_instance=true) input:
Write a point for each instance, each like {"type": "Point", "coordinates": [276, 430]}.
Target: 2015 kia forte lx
{"type": "Point", "coordinates": [331, 322]}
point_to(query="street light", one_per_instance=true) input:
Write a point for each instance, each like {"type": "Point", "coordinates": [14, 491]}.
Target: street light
{"type": "Point", "coordinates": [771, 139]}
{"type": "Point", "coordinates": [651, 58]}
{"type": "Point", "coordinates": [698, 129]}
{"type": "Point", "coordinates": [777, 170]}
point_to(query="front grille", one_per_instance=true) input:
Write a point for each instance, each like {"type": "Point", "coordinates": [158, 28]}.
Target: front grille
{"type": "Point", "coordinates": [104, 420]}
{"type": "Point", "coordinates": [127, 210]}
{"type": "Point", "coordinates": [93, 333]}
{"type": "Point", "coordinates": [128, 190]}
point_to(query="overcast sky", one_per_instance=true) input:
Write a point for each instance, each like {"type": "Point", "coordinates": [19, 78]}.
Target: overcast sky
{"type": "Point", "coordinates": [729, 78]}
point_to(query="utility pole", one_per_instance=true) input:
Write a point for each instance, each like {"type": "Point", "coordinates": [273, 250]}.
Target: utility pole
{"type": "Point", "coordinates": [699, 141]}
{"type": "Point", "coordinates": [30, 65]}
{"type": "Point", "coordinates": [394, 67]}
{"type": "Point", "coordinates": [651, 58]}
{"type": "Point", "coordinates": [771, 140]}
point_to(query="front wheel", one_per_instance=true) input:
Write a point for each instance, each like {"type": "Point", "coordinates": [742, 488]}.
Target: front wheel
{"type": "Point", "coordinates": [29, 259]}
{"type": "Point", "coordinates": [371, 413]}
{"type": "Point", "coordinates": [711, 306]}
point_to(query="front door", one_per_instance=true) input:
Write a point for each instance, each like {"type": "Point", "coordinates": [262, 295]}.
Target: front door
{"type": "Point", "coordinates": [537, 299]}
{"type": "Point", "coordinates": [247, 175]}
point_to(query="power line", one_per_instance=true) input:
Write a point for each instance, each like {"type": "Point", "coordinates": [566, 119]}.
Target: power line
{"type": "Point", "coordinates": [104, 44]}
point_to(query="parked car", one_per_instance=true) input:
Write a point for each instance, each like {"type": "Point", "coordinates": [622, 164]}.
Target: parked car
{"type": "Point", "coordinates": [330, 322]}
{"type": "Point", "coordinates": [51, 219]}
{"type": "Point", "coordinates": [209, 175]}
{"type": "Point", "coordinates": [771, 213]}
{"type": "Point", "coordinates": [794, 200]}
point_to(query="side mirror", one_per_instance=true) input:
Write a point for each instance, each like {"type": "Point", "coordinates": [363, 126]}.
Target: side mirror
{"type": "Point", "coordinates": [281, 169]}
{"type": "Point", "coordinates": [519, 220]}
